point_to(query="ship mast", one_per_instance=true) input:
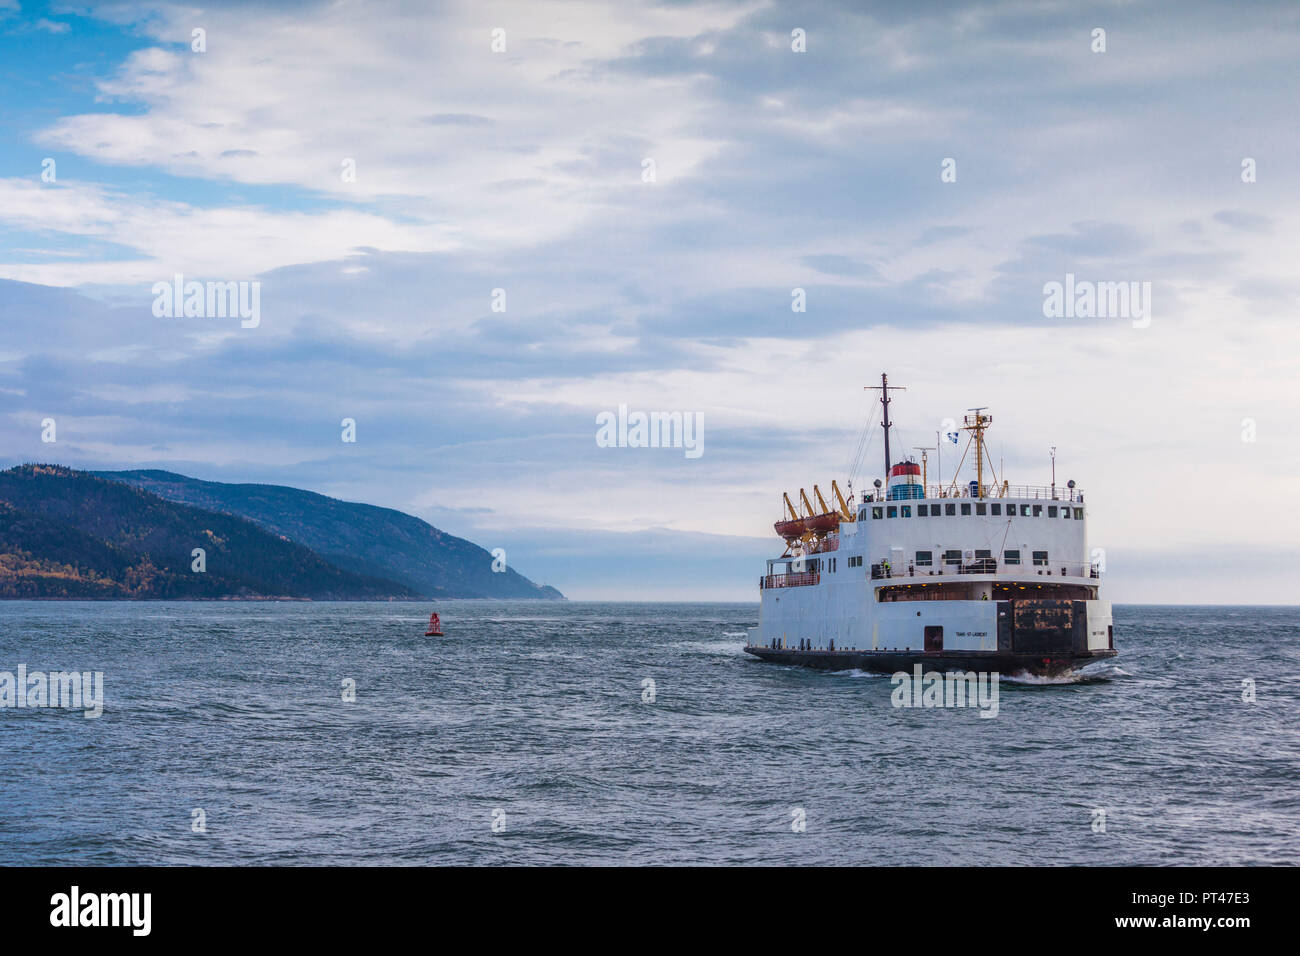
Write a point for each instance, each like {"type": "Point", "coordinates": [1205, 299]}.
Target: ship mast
{"type": "Point", "coordinates": [977, 424]}
{"type": "Point", "coordinates": [884, 388]}
{"type": "Point", "coordinates": [924, 471]}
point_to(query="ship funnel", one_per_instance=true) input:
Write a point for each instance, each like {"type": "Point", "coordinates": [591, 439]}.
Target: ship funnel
{"type": "Point", "coordinates": [905, 481]}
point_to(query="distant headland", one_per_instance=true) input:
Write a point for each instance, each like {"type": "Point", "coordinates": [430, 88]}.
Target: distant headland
{"type": "Point", "coordinates": [157, 535]}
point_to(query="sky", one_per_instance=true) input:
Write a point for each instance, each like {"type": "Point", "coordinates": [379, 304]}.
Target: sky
{"type": "Point", "coordinates": [475, 227]}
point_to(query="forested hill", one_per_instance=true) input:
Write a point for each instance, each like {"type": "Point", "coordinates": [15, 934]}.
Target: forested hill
{"type": "Point", "coordinates": [70, 534]}
{"type": "Point", "coordinates": [364, 539]}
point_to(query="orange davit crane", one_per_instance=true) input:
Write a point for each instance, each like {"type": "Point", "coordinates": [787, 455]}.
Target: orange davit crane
{"type": "Point", "coordinates": [824, 521]}
{"type": "Point", "coordinates": [845, 510]}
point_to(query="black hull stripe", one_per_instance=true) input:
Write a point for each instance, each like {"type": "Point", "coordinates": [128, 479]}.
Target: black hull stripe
{"type": "Point", "coordinates": [889, 662]}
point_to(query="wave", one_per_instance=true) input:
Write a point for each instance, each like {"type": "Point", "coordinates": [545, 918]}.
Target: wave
{"type": "Point", "coordinates": [1089, 674]}
{"type": "Point", "coordinates": [713, 647]}
{"type": "Point", "coordinates": [856, 672]}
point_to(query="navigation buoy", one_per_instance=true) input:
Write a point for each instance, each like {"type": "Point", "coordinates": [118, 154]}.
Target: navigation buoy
{"type": "Point", "coordinates": [435, 627]}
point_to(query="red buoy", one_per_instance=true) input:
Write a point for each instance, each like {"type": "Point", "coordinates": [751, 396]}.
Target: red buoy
{"type": "Point", "coordinates": [435, 627]}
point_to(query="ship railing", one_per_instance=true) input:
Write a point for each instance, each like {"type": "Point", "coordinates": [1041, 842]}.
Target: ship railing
{"type": "Point", "coordinates": [795, 579]}
{"type": "Point", "coordinates": [991, 566]}
{"type": "Point", "coordinates": [829, 543]}
{"type": "Point", "coordinates": [994, 491]}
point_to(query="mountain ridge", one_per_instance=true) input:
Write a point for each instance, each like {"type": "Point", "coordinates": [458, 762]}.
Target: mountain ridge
{"type": "Point", "coordinates": [69, 534]}
{"type": "Point", "coordinates": [365, 539]}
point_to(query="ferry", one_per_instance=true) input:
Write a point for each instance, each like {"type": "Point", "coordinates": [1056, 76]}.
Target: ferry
{"type": "Point", "coordinates": [980, 576]}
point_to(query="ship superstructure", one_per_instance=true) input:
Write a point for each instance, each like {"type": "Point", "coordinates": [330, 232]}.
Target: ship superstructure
{"type": "Point", "coordinates": [981, 575]}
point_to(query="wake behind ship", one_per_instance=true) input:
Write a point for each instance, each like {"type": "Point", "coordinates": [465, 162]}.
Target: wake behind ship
{"type": "Point", "coordinates": [974, 577]}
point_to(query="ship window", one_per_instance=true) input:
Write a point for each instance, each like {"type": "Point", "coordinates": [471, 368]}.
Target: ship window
{"type": "Point", "coordinates": [965, 509]}
{"type": "Point", "coordinates": [952, 557]}
{"type": "Point", "coordinates": [997, 509]}
{"type": "Point", "coordinates": [1078, 514]}
{"type": "Point", "coordinates": [1051, 511]}
{"type": "Point", "coordinates": [1040, 557]}
{"type": "Point", "coordinates": [1065, 513]}
{"type": "Point", "coordinates": [1038, 511]}
{"type": "Point", "coordinates": [983, 555]}
{"type": "Point", "coordinates": [924, 559]}
{"type": "Point", "coordinates": [950, 509]}
{"type": "Point", "coordinates": [922, 511]}
{"type": "Point", "coordinates": [877, 513]}
{"type": "Point", "coordinates": [1011, 557]}
{"type": "Point", "coordinates": [907, 511]}
{"type": "Point", "coordinates": [1024, 511]}
{"type": "Point", "coordinates": [892, 512]}
{"type": "Point", "coordinates": [981, 508]}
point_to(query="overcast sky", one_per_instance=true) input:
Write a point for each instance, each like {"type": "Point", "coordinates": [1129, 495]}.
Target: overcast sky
{"type": "Point", "coordinates": [525, 170]}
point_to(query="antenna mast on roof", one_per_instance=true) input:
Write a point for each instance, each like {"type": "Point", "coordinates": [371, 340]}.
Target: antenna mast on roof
{"type": "Point", "coordinates": [884, 388]}
{"type": "Point", "coordinates": [924, 470]}
{"type": "Point", "coordinates": [976, 424]}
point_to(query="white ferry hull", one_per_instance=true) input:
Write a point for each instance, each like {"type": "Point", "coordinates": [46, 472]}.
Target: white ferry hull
{"type": "Point", "coordinates": [891, 662]}
{"type": "Point", "coordinates": [817, 627]}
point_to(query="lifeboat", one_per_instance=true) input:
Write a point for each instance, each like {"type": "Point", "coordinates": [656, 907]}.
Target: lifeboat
{"type": "Point", "coordinates": [792, 528]}
{"type": "Point", "coordinates": [823, 524]}
{"type": "Point", "coordinates": [435, 627]}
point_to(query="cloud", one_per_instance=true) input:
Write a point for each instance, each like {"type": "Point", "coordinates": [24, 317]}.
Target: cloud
{"type": "Point", "coordinates": [522, 171]}
{"type": "Point", "coordinates": [540, 117]}
{"type": "Point", "coordinates": [1245, 221]}
{"type": "Point", "coordinates": [836, 265]}
{"type": "Point", "coordinates": [165, 237]}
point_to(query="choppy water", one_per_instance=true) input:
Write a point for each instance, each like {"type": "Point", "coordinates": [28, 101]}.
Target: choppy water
{"type": "Point", "coordinates": [536, 710]}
